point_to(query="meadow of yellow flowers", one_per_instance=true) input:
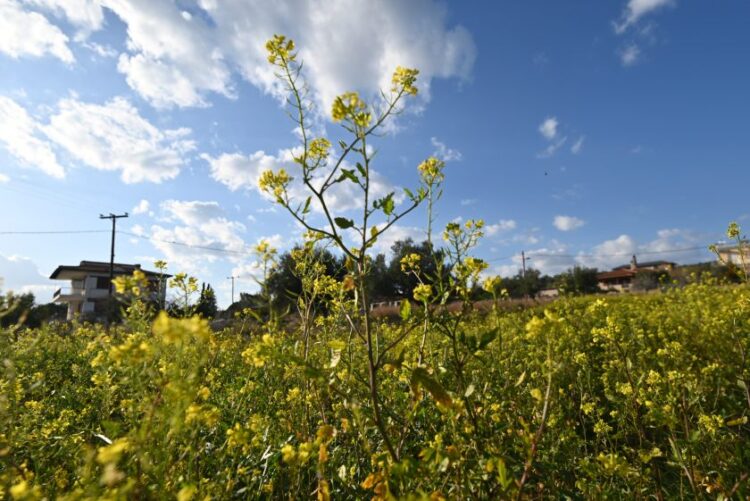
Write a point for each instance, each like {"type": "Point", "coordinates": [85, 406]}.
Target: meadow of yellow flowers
{"type": "Point", "coordinates": [625, 397]}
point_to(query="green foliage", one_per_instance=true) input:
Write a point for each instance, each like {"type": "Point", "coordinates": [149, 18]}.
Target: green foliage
{"type": "Point", "coordinates": [206, 306]}
{"type": "Point", "coordinates": [578, 280]}
{"type": "Point", "coordinates": [648, 398]}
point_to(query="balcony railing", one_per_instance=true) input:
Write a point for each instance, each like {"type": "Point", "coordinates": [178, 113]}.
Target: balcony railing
{"type": "Point", "coordinates": [68, 291]}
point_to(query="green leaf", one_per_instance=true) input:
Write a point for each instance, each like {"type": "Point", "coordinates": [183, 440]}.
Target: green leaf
{"type": "Point", "coordinates": [405, 310]}
{"type": "Point", "coordinates": [487, 338]}
{"type": "Point", "coordinates": [343, 222]}
{"type": "Point", "coordinates": [388, 204]}
{"type": "Point", "coordinates": [420, 377]}
{"type": "Point", "coordinates": [362, 171]}
{"type": "Point", "coordinates": [306, 208]}
{"type": "Point", "coordinates": [521, 378]}
{"type": "Point", "coordinates": [409, 194]}
{"type": "Point", "coordinates": [348, 174]}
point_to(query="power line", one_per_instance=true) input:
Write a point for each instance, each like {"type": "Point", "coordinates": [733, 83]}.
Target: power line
{"type": "Point", "coordinates": [52, 232]}
{"type": "Point", "coordinates": [182, 244]}
{"type": "Point", "coordinates": [637, 252]}
{"type": "Point", "coordinates": [248, 253]}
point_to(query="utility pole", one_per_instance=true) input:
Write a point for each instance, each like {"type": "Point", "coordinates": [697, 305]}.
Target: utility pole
{"type": "Point", "coordinates": [232, 279]}
{"type": "Point", "coordinates": [114, 218]}
{"type": "Point", "coordinates": [523, 271]}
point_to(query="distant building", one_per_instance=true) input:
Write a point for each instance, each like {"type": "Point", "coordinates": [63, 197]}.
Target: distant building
{"type": "Point", "coordinates": [729, 254]}
{"type": "Point", "coordinates": [548, 293]}
{"type": "Point", "coordinates": [620, 279]}
{"type": "Point", "coordinates": [89, 286]}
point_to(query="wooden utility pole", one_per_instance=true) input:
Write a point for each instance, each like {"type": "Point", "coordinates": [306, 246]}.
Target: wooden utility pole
{"type": "Point", "coordinates": [114, 218]}
{"type": "Point", "coordinates": [523, 263]}
{"type": "Point", "coordinates": [232, 279]}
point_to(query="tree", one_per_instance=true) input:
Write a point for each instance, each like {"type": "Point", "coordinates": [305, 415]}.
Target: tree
{"type": "Point", "coordinates": [526, 285]}
{"type": "Point", "coordinates": [646, 280]}
{"type": "Point", "coordinates": [206, 306]}
{"type": "Point", "coordinates": [284, 286]}
{"type": "Point", "coordinates": [578, 280]}
{"type": "Point", "coordinates": [402, 284]}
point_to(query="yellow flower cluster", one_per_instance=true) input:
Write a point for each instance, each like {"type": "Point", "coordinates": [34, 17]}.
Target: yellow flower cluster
{"type": "Point", "coordinates": [206, 415]}
{"type": "Point", "coordinates": [422, 293]}
{"type": "Point", "coordinates": [113, 452]}
{"type": "Point", "coordinates": [131, 284]}
{"type": "Point", "coordinates": [179, 330]}
{"type": "Point", "coordinates": [431, 171]}
{"type": "Point", "coordinates": [349, 106]}
{"type": "Point", "coordinates": [410, 262]}
{"type": "Point", "coordinates": [275, 183]}
{"type": "Point", "coordinates": [319, 149]}
{"type": "Point", "coordinates": [733, 231]}
{"type": "Point", "coordinates": [492, 284]}
{"type": "Point", "coordinates": [255, 354]}
{"type": "Point", "coordinates": [405, 78]}
{"type": "Point", "coordinates": [280, 50]}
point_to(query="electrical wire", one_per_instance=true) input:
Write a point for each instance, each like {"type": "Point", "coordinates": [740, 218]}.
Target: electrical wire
{"type": "Point", "coordinates": [52, 232]}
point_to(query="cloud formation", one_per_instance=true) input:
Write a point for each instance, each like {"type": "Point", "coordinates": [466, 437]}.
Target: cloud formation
{"type": "Point", "coordinates": [443, 152]}
{"type": "Point", "coordinates": [201, 234]}
{"type": "Point", "coordinates": [115, 137]}
{"type": "Point", "coordinates": [548, 128]}
{"type": "Point", "coordinates": [22, 137]}
{"type": "Point", "coordinates": [635, 10]}
{"type": "Point", "coordinates": [180, 54]}
{"type": "Point", "coordinates": [567, 223]}
{"type": "Point", "coordinates": [25, 33]}
{"type": "Point", "coordinates": [238, 171]}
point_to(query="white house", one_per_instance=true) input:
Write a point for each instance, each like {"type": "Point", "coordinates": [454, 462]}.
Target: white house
{"type": "Point", "coordinates": [89, 286]}
{"type": "Point", "coordinates": [733, 254]}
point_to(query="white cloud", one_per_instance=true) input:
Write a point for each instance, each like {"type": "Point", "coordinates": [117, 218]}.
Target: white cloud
{"type": "Point", "coordinates": [502, 225]}
{"type": "Point", "coordinates": [85, 14]}
{"type": "Point", "coordinates": [4, 178]}
{"type": "Point", "coordinates": [444, 153]}
{"type": "Point", "coordinates": [24, 33]}
{"type": "Point", "coordinates": [578, 145]}
{"type": "Point", "coordinates": [201, 235]}
{"type": "Point", "coordinates": [172, 60]}
{"type": "Point", "coordinates": [550, 260]}
{"type": "Point", "coordinates": [610, 253]}
{"type": "Point", "coordinates": [20, 274]}
{"type": "Point", "coordinates": [238, 171]}
{"type": "Point", "coordinates": [548, 128]}
{"type": "Point", "coordinates": [251, 271]}
{"type": "Point", "coordinates": [567, 223]}
{"type": "Point", "coordinates": [552, 148]}
{"type": "Point", "coordinates": [635, 10]}
{"type": "Point", "coordinates": [114, 136]}
{"type": "Point", "coordinates": [101, 50]}
{"type": "Point", "coordinates": [396, 233]}
{"type": "Point", "coordinates": [19, 134]}
{"type": "Point", "coordinates": [178, 56]}
{"type": "Point", "coordinates": [630, 55]}
{"type": "Point", "coordinates": [141, 208]}
{"type": "Point", "coordinates": [468, 201]}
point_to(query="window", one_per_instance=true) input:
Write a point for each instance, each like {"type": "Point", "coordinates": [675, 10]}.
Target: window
{"type": "Point", "coordinates": [102, 283]}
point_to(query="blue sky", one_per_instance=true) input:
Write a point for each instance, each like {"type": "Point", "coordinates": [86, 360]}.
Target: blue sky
{"type": "Point", "coordinates": [581, 132]}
